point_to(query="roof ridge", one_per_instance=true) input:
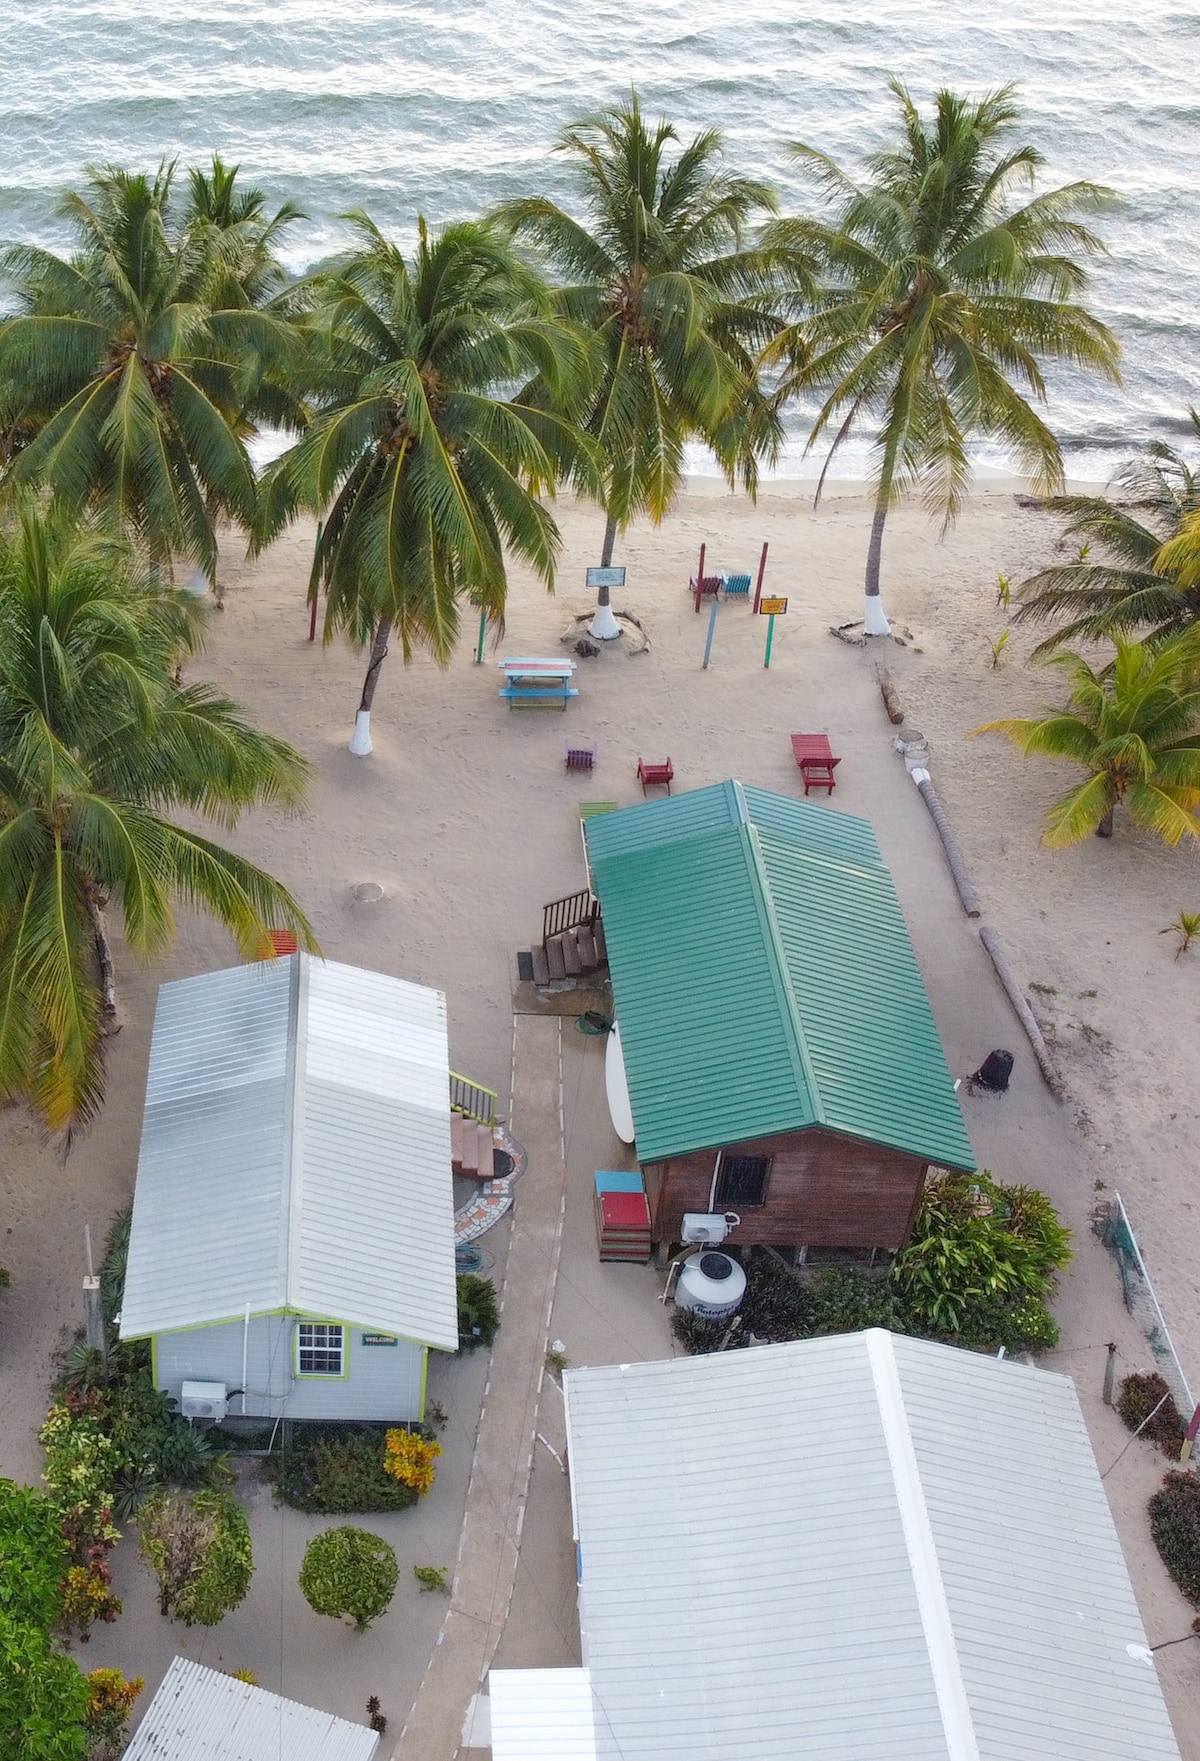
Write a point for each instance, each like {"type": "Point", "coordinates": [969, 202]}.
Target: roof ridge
{"type": "Point", "coordinates": [941, 1644]}
{"type": "Point", "coordinates": [752, 845]}
{"type": "Point", "coordinates": [293, 1173]}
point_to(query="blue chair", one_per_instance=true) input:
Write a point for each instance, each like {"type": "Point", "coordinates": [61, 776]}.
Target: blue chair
{"type": "Point", "coordinates": [737, 586]}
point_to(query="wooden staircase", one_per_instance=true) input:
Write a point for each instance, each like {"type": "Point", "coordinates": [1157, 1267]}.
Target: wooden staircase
{"type": "Point", "coordinates": [472, 1127]}
{"type": "Point", "coordinates": [572, 941]}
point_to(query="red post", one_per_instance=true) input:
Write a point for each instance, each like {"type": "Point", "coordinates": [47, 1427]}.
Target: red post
{"type": "Point", "coordinates": [762, 569]}
{"type": "Point", "coordinates": [700, 578]}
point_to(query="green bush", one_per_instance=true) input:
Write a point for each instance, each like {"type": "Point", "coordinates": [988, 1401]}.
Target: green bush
{"type": "Point", "coordinates": [33, 1556]}
{"type": "Point", "coordinates": [847, 1298]}
{"type": "Point", "coordinates": [349, 1572]}
{"type": "Point", "coordinates": [337, 1472]}
{"type": "Point", "coordinates": [1175, 1525]}
{"type": "Point", "coordinates": [43, 1697]}
{"type": "Point", "coordinates": [478, 1311]}
{"type": "Point", "coordinates": [1138, 1397]}
{"type": "Point", "coordinates": [198, 1546]}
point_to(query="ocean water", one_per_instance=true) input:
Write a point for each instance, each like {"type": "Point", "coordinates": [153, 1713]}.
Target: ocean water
{"type": "Point", "coordinates": [441, 107]}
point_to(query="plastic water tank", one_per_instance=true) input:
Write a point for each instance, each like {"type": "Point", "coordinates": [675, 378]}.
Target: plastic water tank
{"type": "Point", "coordinates": [711, 1284]}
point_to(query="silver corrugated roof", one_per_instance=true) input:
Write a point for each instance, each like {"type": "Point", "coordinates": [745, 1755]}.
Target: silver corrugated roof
{"type": "Point", "coordinates": [541, 1715]}
{"type": "Point", "coordinates": [295, 1153]}
{"type": "Point", "coordinates": [863, 1548]}
{"type": "Point", "coordinates": [199, 1714]}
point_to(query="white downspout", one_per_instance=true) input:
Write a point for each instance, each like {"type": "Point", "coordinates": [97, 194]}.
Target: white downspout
{"type": "Point", "coordinates": [245, 1355]}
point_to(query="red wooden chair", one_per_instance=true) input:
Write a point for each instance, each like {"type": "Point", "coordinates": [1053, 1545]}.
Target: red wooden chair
{"type": "Point", "coordinates": [660, 774]}
{"type": "Point", "coordinates": [814, 755]}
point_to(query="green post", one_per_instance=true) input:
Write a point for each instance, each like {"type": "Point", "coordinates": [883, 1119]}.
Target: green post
{"type": "Point", "coordinates": [770, 639]}
{"type": "Point", "coordinates": [482, 634]}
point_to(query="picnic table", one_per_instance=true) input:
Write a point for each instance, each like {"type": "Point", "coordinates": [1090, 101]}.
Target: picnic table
{"type": "Point", "coordinates": [531, 680]}
{"type": "Point", "coordinates": [816, 759]}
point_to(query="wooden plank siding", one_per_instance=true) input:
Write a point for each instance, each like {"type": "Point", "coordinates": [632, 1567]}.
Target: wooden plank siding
{"type": "Point", "coordinates": [823, 1190]}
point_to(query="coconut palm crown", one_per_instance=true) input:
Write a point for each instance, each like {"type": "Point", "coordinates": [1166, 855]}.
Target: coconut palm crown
{"type": "Point", "coordinates": [1117, 584]}
{"type": "Point", "coordinates": [423, 460]}
{"type": "Point", "coordinates": [945, 289]}
{"type": "Point", "coordinates": [1134, 726]}
{"type": "Point", "coordinates": [660, 268]}
{"type": "Point", "coordinates": [98, 747]}
{"type": "Point", "coordinates": [127, 368]}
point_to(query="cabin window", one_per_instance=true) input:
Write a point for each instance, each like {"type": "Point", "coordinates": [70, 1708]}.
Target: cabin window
{"type": "Point", "coordinates": [741, 1181]}
{"type": "Point", "coordinates": [320, 1349]}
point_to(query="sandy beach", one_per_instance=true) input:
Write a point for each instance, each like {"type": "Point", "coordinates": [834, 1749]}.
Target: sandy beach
{"type": "Point", "coordinates": [467, 819]}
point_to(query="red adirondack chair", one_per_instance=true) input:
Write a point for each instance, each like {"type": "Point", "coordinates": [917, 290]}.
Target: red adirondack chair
{"type": "Point", "coordinates": [817, 763]}
{"type": "Point", "coordinates": [655, 773]}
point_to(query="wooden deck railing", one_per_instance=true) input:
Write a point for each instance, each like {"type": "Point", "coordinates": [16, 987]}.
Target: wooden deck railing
{"type": "Point", "coordinates": [472, 1100]}
{"type": "Point", "coordinates": [569, 913]}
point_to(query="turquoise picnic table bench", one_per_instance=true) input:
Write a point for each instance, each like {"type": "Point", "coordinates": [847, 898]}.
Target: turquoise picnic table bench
{"type": "Point", "coordinates": [532, 681]}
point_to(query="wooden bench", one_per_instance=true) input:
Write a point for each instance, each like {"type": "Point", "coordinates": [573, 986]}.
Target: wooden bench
{"type": "Point", "coordinates": [538, 694]}
{"type": "Point", "coordinates": [660, 774]}
{"type": "Point", "coordinates": [814, 755]}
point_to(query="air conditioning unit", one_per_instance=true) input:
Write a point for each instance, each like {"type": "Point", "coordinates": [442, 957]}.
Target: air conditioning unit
{"type": "Point", "coordinates": [707, 1228]}
{"type": "Point", "coordinates": [203, 1400]}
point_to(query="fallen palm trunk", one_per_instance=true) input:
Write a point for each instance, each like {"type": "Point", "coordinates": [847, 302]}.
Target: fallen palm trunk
{"type": "Point", "coordinates": [954, 856]}
{"type": "Point", "coordinates": [890, 695]}
{"type": "Point", "coordinates": [1024, 1013]}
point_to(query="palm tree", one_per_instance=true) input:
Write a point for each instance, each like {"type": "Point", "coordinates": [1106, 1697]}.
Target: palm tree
{"type": "Point", "coordinates": [422, 460]}
{"type": "Point", "coordinates": [1126, 587]}
{"type": "Point", "coordinates": [98, 745]}
{"type": "Point", "coordinates": [942, 297]}
{"type": "Point", "coordinates": [1135, 728]}
{"type": "Point", "coordinates": [659, 270]}
{"type": "Point", "coordinates": [127, 370]}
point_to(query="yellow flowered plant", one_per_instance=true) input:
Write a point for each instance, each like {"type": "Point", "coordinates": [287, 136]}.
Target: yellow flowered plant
{"type": "Point", "coordinates": [410, 1458]}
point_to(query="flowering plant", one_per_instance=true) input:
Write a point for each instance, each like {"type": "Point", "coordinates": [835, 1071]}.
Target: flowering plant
{"type": "Point", "coordinates": [410, 1458]}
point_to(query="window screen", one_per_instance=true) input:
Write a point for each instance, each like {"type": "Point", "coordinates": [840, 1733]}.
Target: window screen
{"type": "Point", "coordinates": [319, 1349]}
{"type": "Point", "coordinates": [742, 1180]}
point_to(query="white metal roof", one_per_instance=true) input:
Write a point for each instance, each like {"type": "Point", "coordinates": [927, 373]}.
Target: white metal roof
{"type": "Point", "coordinates": [198, 1714]}
{"type": "Point", "coordinates": [295, 1153]}
{"type": "Point", "coordinates": [541, 1715]}
{"type": "Point", "coordinates": [862, 1548]}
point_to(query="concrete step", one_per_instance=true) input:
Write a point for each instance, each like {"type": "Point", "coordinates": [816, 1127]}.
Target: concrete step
{"type": "Point", "coordinates": [570, 948]}
{"type": "Point", "coordinates": [555, 958]}
{"type": "Point", "coordinates": [541, 966]}
{"type": "Point", "coordinates": [586, 944]}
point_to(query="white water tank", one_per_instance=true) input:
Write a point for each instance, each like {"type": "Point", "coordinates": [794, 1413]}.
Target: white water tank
{"type": "Point", "coordinates": [711, 1285]}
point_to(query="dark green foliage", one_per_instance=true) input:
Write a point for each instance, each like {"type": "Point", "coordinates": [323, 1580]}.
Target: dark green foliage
{"type": "Point", "coordinates": [478, 1311]}
{"type": "Point", "coordinates": [349, 1571]}
{"type": "Point", "coordinates": [336, 1471]}
{"type": "Point", "coordinates": [1175, 1525]}
{"type": "Point", "coordinates": [778, 1305]}
{"type": "Point", "coordinates": [198, 1547]}
{"type": "Point", "coordinates": [112, 1271]}
{"type": "Point", "coordinates": [1138, 1397]}
{"type": "Point", "coordinates": [847, 1298]}
{"type": "Point", "coordinates": [33, 1556]}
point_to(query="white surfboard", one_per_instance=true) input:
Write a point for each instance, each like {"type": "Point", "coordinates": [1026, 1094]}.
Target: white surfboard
{"type": "Point", "coordinates": [619, 1109]}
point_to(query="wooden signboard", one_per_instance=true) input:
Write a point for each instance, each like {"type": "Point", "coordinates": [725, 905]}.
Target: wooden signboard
{"type": "Point", "coordinates": [772, 608]}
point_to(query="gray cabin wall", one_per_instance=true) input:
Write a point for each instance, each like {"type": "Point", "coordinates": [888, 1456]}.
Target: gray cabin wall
{"type": "Point", "coordinates": [382, 1381]}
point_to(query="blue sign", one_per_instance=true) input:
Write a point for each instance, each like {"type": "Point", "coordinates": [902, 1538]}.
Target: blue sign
{"type": "Point", "coordinates": [606, 577]}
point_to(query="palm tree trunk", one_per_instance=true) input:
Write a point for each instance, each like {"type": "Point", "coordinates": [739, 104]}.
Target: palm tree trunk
{"type": "Point", "coordinates": [360, 739]}
{"type": "Point", "coordinates": [874, 621]}
{"type": "Point", "coordinates": [1105, 828]}
{"type": "Point", "coordinates": [104, 959]}
{"type": "Point", "coordinates": [604, 625]}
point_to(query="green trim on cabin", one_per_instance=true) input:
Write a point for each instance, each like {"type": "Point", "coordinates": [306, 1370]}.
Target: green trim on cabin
{"type": "Point", "coordinates": [154, 1358]}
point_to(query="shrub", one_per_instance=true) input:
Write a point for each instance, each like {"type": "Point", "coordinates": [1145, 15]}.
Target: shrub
{"type": "Point", "coordinates": [33, 1556]}
{"type": "Point", "coordinates": [431, 1577]}
{"type": "Point", "coordinates": [778, 1305]}
{"type": "Point", "coordinates": [1137, 1398]}
{"type": "Point", "coordinates": [336, 1472]}
{"type": "Point", "coordinates": [43, 1697]}
{"type": "Point", "coordinates": [110, 1701]}
{"type": "Point", "coordinates": [349, 1572]}
{"type": "Point", "coordinates": [846, 1299]}
{"type": "Point", "coordinates": [1019, 1324]}
{"type": "Point", "coordinates": [409, 1458]}
{"type": "Point", "coordinates": [1175, 1525]}
{"type": "Point", "coordinates": [198, 1547]}
{"type": "Point", "coordinates": [478, 1311]}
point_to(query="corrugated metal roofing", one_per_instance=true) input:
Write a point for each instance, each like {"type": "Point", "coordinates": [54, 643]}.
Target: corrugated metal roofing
{"type": "Point", "coordinates": [765, 982]}
{"type": "Point", "coordinates": [865, 1548]}
{"type": "Point", "coordinates": [199, 1714]}
{"type": "Point", "coordinates": [675, 817]}
{"type": "Point", "coordinates": [541, 1715]}
{"type": "Point", "coordinates": [295, 1153]}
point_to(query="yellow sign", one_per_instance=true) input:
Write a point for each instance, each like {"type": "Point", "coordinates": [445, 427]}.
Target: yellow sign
{"type": "Point", "coordinates": [772, 608]}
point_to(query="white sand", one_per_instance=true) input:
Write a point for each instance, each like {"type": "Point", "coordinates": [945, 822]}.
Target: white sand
{"type": "Point", "coordinates": [466, 818]}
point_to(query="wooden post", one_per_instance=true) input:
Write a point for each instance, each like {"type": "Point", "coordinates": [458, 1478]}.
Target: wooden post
{"type": "Point", "coordinates": [1110, 1374]}
{"type": "Point", "coordinates": [700, 579]}
{"type": "Point", "coordinates": [770, 639]}
{"type": "Point", "coordinates": [93, 1307]}
{"type": "Point", "coordinates": [762, 569]}
{"type": "Point", "coordinates": [712, 624]}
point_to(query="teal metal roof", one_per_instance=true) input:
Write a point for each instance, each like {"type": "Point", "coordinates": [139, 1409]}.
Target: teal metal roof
{"type": "Point", "coordinates": [676, 817]}
{"type": "Point", "coordinates": [767, 983]}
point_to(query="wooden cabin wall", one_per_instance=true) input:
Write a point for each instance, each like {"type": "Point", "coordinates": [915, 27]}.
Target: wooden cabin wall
{"type": "Point", "coordinates": [823, 1191]}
